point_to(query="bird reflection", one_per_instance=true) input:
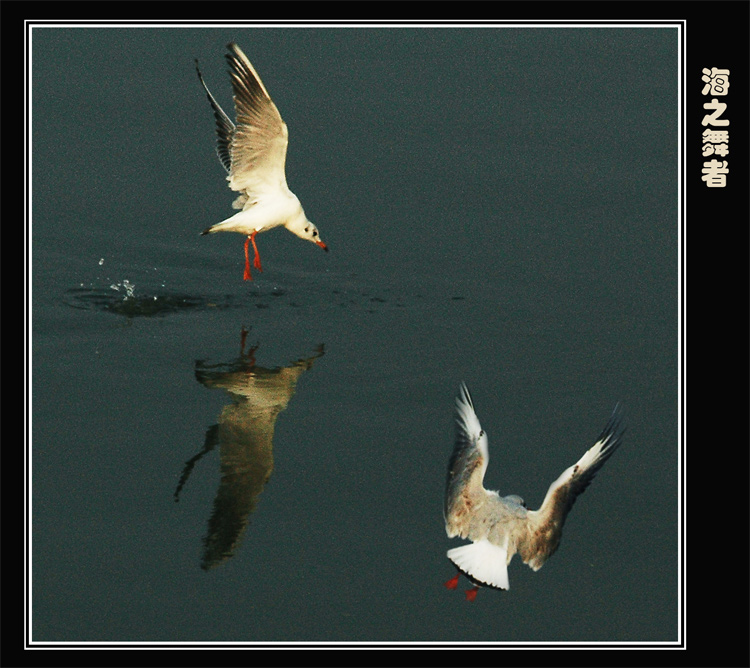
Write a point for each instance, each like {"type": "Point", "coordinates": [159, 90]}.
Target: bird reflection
{"type": "Point", "coordinates": [244, 435]}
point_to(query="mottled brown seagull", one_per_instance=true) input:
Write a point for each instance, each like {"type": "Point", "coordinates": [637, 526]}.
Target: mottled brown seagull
{"type": "Point", "coordinates": [499, 527]}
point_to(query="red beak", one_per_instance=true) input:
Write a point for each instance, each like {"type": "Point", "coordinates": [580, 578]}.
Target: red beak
{"type": "Point", "coordinates": [322, 245]}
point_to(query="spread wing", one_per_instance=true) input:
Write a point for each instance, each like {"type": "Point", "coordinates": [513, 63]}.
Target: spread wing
{"type": "Point", "coordinates": [468, 463]}
{"type": "Point", "coordinates": [563, 493]}
{"type": "Point", "coordinates": [258, 144]}
{"type": "Point", "coordinates": [224, 126]}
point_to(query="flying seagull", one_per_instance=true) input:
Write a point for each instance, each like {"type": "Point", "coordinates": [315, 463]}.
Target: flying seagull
{"type": "Point", "coordinates": [500, 527]}
{"type": "Point", "coordinates": [254, 153]}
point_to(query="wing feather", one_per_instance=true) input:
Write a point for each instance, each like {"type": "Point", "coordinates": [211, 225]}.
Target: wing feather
{"type": "Point", "coordinates": [563, 493]}
{"type": "Point", "coordinates": [224, 126]}
{"type": "Point", "coordinates": [259, 142]}
{"type": "Point", "coordinates": [467, 466]}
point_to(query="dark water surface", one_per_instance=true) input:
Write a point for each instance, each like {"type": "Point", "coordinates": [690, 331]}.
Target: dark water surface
{"type": "Point", "coordinates": [215, 460]}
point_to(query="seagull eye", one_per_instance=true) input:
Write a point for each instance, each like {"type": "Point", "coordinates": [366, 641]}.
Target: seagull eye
{"type": "Point", "coordinates": [307, 229]}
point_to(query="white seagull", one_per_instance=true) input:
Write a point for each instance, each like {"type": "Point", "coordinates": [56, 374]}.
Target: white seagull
{"type": "Point", "coordinates": [254, 154]}
{"type": "Point", "coordinates": [500, 527]}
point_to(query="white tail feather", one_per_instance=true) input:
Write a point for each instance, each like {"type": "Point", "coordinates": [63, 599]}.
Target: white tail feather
{"type": "Point", "coordinates": [485, 562]}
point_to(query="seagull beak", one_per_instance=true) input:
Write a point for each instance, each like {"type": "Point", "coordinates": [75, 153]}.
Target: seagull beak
{"type": "Point", "coordinates": [322, 245]}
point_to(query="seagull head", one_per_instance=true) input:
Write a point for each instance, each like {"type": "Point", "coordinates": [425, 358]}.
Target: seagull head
{"type": "Point", "coordinates": [310, 232]}
{"type": "Point", "coordinates": [514, 498]}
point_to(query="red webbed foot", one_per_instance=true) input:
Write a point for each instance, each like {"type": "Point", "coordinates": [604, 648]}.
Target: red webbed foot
{"type": "Point", "coordinates": [471, 594]}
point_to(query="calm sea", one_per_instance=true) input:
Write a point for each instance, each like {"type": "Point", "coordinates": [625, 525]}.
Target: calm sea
{"type": "Point", "coordinates": [219, 460]}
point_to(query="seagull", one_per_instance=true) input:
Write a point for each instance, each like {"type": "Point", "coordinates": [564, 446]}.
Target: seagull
{"type": "Point", "coordinates": [499, 527]}
{"type": "Point", "coordinates": [254, 153]}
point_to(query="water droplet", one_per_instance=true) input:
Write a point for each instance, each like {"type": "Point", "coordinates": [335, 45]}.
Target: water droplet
{"type": "Point", "coordinates": [129, 287]}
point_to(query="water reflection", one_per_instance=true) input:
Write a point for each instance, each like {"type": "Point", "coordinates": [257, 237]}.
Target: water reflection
{"type": "Point", "coordinates": [244, 434]}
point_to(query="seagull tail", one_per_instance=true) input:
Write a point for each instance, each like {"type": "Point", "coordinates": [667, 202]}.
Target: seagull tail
{"type": "Point", "coordinates": [484, 562]}
{"type": "Point", "coordinates": [219, 227]}
{"type": "Point", "coordinates": [235, 223]}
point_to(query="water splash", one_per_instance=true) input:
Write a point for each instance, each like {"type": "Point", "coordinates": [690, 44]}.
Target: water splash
{"type": "Point", "coordinates": [121, 299]}
{"type": "Point", "coordinates": [127, 286]}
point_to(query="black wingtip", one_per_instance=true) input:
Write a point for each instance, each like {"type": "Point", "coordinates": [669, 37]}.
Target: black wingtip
{"type": "Point", "coordinates": [232, 46]}
{"type": "Point", "coordinates": [618, 418]}
{"type": "Point", "coordinates": [614, 430]}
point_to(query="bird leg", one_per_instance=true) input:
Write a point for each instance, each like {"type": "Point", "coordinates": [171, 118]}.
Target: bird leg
{"type": "Point", "coordinates": [250, 354]}
{"type": "Point", "coordinates": [247, 275]}
{"type": "Point", "coordinates": [243, 338]}
{"type": "Point", "coordinates": [453, 582]}
{"type": "Point", "coordinates": [256, 261]}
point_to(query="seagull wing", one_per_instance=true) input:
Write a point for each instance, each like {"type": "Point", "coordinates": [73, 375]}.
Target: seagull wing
{"type": "Point", "coordinates": [259, 141]}
{"type": "Point", "coordinates": [547, 522]}
{"type": "Point", "coordinates": [224, 126]}
{"type": "Point", "coordinates": [464, 489]}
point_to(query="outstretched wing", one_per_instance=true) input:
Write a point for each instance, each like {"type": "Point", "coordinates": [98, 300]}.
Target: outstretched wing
{"type": "Point", "coordinates": [224, 126]}
{"type": "Point", "coordinates": [259, 142]}
{"type": "Point", "coordinates": [563, 493]}
{"type": "Point", "coordinates": [466, 468]}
